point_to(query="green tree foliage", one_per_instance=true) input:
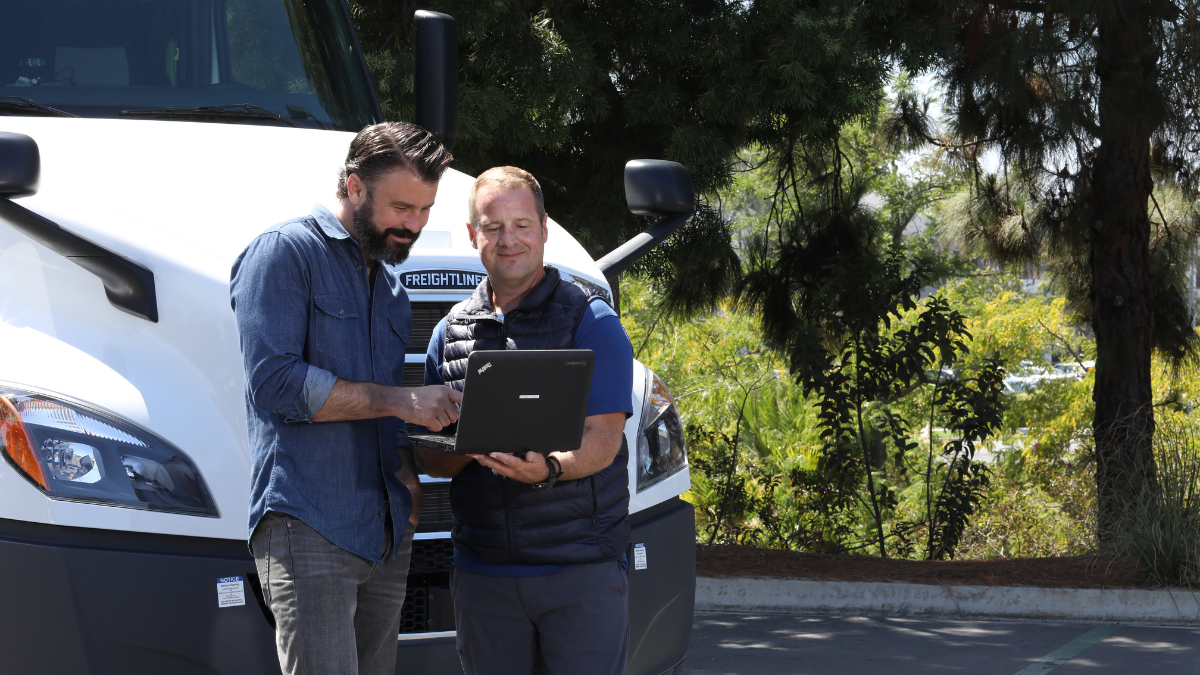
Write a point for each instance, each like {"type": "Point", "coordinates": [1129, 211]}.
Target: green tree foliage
{"type": "Point", "coordinates": [748, 427]}
{"type": "Point", "coordinates": [1091, 108]}
{"type": "Point", "coordinates": [1041, 500]}
{"type": "Point", "coordinates": [572, 90]}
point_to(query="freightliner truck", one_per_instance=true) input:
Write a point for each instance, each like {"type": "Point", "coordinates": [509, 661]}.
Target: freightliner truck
{"type": "Point", "coordinates": [143, 144]}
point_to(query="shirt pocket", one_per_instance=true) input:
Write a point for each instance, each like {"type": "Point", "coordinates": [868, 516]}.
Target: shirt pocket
{"type": "Point", "coordinates": [397, 347]}
{"type": "Point", "coordinates": [402, 327]}
{"type": "Point", "coordinates": [337, 327]}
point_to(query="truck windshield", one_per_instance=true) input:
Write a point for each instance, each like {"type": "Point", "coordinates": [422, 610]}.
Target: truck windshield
{"type": "Point", "coordinates": [275, 62]}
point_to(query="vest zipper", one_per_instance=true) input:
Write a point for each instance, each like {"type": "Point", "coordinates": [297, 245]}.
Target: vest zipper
{"type": "Point", "coordinates": [595, 505]}
{"type": "Point", "coordinates": [507, 519]}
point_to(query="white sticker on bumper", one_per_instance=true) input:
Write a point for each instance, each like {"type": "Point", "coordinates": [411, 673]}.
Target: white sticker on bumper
{"type": "Point", "coordinates": [231, 592]}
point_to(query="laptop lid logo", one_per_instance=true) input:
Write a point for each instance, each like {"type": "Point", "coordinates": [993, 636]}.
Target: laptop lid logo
{"type": "Point", "coordinates": [529, 396]}
{"type": "Point", "coordinates": [485, 367]}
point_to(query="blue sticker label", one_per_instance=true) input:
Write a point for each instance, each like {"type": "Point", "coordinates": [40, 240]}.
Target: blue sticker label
{"type": "Point", "coordinates": [639, 556]}
{"type": "Point", "coordinates": [230, 592]}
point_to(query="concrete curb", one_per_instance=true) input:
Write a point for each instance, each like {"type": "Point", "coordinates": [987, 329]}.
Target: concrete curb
{"type": "Point", "coordinates": [1176, 606]}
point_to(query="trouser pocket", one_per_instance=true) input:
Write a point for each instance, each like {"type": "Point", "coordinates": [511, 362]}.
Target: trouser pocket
{"type": "Point", "coordinates": [260, 548]}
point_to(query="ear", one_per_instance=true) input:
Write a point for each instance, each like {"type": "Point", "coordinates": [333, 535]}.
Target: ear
{"type": "Point", "coordinates": [471, 234]}
{"type": "Point", "coordinates": [356, 190]}
{"type": "Point", "coordinates": [545, 228]}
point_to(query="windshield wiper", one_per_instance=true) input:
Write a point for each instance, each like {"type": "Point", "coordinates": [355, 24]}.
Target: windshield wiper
{"type": "Point", "coordinates": [212, 112]}
{"type": "Point", "coordinates": [18, 105]}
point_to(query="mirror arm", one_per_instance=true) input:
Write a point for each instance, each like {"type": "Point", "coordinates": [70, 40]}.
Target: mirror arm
{"type": "Point", "coordinates": [128, 285]}
{"type": "Point", "coordinates": [622, 257]}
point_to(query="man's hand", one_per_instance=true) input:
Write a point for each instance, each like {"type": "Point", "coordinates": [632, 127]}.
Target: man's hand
{"type": "Point", "coordinates": [529, 469]}
{"type": "Point", "coordinates": [434, 407]}
{"type": "Point", "coordinates": [601, 443]}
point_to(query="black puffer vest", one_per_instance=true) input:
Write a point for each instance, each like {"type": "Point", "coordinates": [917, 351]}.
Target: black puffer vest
{"type": "Point", "coordinates": [502, 521]}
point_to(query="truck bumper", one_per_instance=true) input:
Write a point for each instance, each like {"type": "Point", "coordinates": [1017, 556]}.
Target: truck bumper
{"type": "Point", "coordinates": [99, 602]}
{"type": "Point", "coordinates": [662, 595]}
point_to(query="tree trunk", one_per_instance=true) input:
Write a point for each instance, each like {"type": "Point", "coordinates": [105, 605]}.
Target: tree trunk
{"type": "Point", "coordinates": [1121, 295]}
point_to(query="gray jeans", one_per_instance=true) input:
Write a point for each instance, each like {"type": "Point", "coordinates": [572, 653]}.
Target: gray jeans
{"type": "Point", "coordinates": [573, 622]}
{"type": "Point", "coordinates": [335, 613]}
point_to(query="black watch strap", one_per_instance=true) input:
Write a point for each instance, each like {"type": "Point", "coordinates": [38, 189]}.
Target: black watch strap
{"type": "Point", "coordinates": [553, 471]}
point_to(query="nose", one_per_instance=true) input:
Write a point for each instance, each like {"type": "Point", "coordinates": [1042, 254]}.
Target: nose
{"type": "Point", "coordinates": [412, 224]}
{"type": "Point", "coordinates": [508, 236]}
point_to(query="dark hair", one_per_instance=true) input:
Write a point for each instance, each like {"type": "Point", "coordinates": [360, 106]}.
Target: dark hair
{"type": "Point", "coordinates": [381, 148]}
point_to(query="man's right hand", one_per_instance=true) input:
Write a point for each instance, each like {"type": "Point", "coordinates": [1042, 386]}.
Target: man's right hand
{"type": "Point", "coordinates": [434, 407]}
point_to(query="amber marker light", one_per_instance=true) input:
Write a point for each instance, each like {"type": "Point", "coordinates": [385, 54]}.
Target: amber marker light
{"type": "Point", "coordinates": [17, 445]}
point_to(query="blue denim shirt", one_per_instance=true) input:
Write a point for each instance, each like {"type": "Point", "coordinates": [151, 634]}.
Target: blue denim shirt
{"type": "Point", "coordinates": [306, 317]}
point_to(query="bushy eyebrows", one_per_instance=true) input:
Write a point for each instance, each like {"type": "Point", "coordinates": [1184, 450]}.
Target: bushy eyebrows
{"type": "Point", "coordinates": [401, 204]}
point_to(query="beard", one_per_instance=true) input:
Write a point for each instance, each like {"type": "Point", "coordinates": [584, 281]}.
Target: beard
{"type": "Point", "coordinates": [375, 241]}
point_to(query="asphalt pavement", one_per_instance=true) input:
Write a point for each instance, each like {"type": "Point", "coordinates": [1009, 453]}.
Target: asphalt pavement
{"type": "Point", "coordinates": [742, 644]}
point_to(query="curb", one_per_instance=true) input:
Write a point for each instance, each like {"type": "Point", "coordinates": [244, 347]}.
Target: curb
{"type": "Point", "coordinates": [1171, 606]}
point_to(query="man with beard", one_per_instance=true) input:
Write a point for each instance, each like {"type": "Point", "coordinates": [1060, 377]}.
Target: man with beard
{"type": "Point", "coordinates": [334, 499]}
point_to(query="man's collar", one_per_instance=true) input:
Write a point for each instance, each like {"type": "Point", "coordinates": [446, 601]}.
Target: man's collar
{"type": "Point", "coordinates": [542, 290]}
{"type": "Point", "coordinates": [329, 223]}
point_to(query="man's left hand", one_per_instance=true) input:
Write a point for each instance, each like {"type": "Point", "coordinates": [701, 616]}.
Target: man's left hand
{"type": "Point", "coordinates": [529, 469]}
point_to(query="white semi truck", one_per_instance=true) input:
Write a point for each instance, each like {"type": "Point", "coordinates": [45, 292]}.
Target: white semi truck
{"type": "Point", "coordinates": [143, 144]}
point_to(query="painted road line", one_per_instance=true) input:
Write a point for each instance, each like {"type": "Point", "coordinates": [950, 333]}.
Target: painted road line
{"type": "Point", "coordinates": [1068, 651]}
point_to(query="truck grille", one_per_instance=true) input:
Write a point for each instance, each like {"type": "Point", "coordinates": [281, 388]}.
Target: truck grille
{"type": "Point", "coordinates": [426, 316]}
{"type": "Point", "coordinates": [431, 556]}
{"type": "Point", "coordinates": [435, 508]}
{"type": "Point", "coordinates": [427, 603]}
{"type": "Point", "coordinates": [427, 608]}
{"type": "Point", "coordinates": [414, 375]}
{"type": "Point", "coordinates": [414, 618]}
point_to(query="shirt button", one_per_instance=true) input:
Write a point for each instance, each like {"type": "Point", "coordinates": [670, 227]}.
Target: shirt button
{"type": "Point", "coordinates": [359, 268]}
{"type": "Point", "coordinates": [381, 514]}
{"type": "Point", "coordinates": [341, 311]}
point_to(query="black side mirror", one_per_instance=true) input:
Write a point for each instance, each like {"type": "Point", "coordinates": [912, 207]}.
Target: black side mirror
{"type": "Point", "coordinates": [128, 285]}
{"type": "Point", "coordinates": [20, 165]}
{"type": "Point", "coordinates": [656, 187]}
{"type": "Point", "coordinates": [653, 187]}
{"type": "Point", "coordinates": [435, 81]}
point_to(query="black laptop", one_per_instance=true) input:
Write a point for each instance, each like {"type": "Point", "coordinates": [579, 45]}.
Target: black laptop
{"type": "Point", "coordinates": [518, 401]}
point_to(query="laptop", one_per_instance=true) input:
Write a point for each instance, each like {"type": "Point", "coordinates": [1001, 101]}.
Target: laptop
{"type": "Point", "coordinates": [519, 400]}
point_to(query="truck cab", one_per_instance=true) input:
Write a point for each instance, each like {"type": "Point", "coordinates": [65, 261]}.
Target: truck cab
{"type": "Point", "coordinates": [143, 145]}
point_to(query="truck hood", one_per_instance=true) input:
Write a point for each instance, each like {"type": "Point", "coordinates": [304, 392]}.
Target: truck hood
{"type": "Point", "coordinates": [213, 187]}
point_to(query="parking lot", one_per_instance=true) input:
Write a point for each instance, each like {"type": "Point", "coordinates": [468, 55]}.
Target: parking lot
{"type": "Point", "coordinates": [819, 645]}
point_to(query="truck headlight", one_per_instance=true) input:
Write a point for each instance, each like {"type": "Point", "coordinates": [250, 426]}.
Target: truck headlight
{"type": "Point", "coordinates": [661, 448]}
{"type": "Point", "coordinates": [74, 453]}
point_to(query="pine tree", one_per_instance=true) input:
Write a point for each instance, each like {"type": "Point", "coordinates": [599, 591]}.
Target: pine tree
{"type": "Point", "coordinates": [1091, 106]}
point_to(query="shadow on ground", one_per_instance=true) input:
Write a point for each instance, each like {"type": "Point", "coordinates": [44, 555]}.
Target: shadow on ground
{"type": "Point", "coordinates": [741, 644]}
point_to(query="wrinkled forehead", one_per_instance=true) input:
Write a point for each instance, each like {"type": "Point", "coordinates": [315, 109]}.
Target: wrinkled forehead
{"type": "Point", "coordinates": [501, 203]}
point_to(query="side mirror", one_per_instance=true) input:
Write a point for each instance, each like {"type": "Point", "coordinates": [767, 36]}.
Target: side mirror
{"type": "Point", "coordinates": [20, 165]}
{"type": "Point", "coordinates": [435, 80]}
{"type": "Point", "coordinates": [656, 187]}
{"type": "Point", "coordinates": [128, 285]}
{"type": "Point", "coordinates": [653, 187]}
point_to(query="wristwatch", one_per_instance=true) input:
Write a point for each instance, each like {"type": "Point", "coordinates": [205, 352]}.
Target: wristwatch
{"type": "Point", "coordinates": [554, 471]}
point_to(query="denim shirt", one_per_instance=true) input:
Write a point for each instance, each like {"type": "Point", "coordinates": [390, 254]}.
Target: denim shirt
{"type": "Point", "coordinates": [306, 317]}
